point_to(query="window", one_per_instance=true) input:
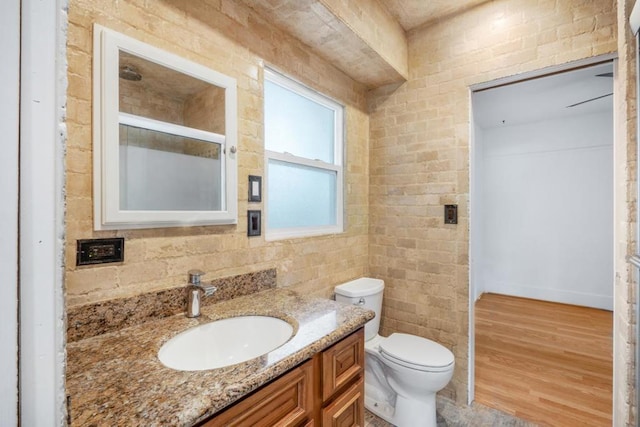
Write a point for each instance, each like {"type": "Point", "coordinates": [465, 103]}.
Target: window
{"type": "Point", "coordinates": [303, 156]}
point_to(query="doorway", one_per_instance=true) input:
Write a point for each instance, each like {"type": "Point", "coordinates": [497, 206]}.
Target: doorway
{"type": "Point", "coordinates": [542, 193]}
{"type": "Point", "coordinates": [40, 207]}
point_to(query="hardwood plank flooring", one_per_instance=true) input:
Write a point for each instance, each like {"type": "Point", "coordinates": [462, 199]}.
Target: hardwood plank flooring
{"type": "Point", "coordinates": [544, 362]}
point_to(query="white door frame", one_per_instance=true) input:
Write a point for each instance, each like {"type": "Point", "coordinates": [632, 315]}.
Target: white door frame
{"type": "Point", "coordinates": [473, 255]}
{"type": "Point", "coordinates": [9, 126]}
{"type": "Point", "coordinates": [41, 212]}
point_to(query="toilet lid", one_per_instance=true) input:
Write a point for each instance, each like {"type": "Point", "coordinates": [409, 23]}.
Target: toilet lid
{"type": "Point", "coordinates": [420, 352]}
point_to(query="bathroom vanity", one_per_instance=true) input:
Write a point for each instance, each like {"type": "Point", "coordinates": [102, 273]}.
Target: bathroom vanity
{"type": "Point", "coordinates": [327, 390]}
{"type": "Point", "coordinates": [315, 378]}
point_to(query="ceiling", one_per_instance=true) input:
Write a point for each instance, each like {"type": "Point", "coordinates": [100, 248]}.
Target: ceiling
{"type": "Point", "coordinates": [335, 31]}
{"type": "Point", "coordinates": [335, 34]}
{"type": "Point", "coordinates": [545, 97]}
{"type": "Point", "coordinates": [415, 13]}
{"type": "Point", "coordinates": [311, 22]}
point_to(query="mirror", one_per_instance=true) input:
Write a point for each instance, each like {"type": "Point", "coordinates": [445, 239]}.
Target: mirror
{"type": "Point", "coordinates": [164, 138]}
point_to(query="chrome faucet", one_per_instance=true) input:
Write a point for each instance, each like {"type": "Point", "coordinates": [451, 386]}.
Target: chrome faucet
{"type": "Point", "coordinates": [195, 289]}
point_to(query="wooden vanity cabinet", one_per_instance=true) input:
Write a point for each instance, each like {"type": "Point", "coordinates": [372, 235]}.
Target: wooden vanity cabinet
{"type": "Point", "coordinates": [286, 401]}
{"type": "Point", "coordinates": [341, 363]}
{"type": "Point", "coordinates": [343, 382]}
{"type": "Point", "coordinates": [347, 410]}
{"type": "Point", "coordinates": [326, 391]}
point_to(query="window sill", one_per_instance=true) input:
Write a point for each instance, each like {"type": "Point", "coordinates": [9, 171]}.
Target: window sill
{"type": "Point", "coordinates": [296, 233]}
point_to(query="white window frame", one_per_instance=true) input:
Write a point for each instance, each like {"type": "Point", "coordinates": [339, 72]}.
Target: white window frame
{"type": "Point", "coordinates": [146, 123]}
{"type": "Point", "coordinates": [107, 117]}
{"type": "Point", "coordinates": [337, 165]}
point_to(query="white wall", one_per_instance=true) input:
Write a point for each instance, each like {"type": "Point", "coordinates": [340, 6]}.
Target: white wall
{"type": "Point", "coordinates": [42, 140]}
{"type": "Point", "coordinates": [547, 210]}
{"type": "Point", "coordinates": [476, 237]}
{"type": "Point", "coordinates": [9, 121]}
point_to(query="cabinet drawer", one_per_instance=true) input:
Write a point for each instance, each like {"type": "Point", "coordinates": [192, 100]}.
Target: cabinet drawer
{"type": "Point", "coordinates": [286, 401]}
{"type": "Point", "coordinates": [348, 409]}
{"type": "Point", "coordinates": [342, 363]}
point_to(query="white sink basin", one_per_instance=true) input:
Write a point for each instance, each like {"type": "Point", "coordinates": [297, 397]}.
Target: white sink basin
{"type": "Point", "coordinates": [224, 342]}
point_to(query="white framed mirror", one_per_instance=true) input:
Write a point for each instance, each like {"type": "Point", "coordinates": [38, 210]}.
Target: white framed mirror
{"type": "Point", "coordinates": [164, 138]}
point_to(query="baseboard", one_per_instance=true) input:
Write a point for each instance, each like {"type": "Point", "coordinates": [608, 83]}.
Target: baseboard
{"type": "Point", "coordinates": [603, 302]}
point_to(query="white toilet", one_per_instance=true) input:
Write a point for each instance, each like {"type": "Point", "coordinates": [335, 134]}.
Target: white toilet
{"type": "Point", "coordinates": [403, 372]}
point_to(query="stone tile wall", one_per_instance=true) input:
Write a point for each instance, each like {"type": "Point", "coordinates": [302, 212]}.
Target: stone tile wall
{"type": "Point", "coordinates": [142, 100]}
{"type": "Point", "coordinates": [230, 38]}
{"type": "Point", "coordinates": [205, 110]}
{"type": "Point", "coordinates": [420, 152]}
{"type": "Point", "coordinates": [376, 26]}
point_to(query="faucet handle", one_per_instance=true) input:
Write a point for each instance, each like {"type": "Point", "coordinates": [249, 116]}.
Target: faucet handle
{"type": "Point", "coordinates": [209, 290]}
{"type": "Point", "coordinates": [194, 276]}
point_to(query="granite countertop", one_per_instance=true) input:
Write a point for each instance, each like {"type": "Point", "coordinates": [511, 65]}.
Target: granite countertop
{"type": "Point", "coordinates": [116, 378]}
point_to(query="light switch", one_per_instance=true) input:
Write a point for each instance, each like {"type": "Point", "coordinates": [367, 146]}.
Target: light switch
{"type": "Point", "coordinates": [254, 220]}
{"type": "Point", "coordinates": [255, 188]}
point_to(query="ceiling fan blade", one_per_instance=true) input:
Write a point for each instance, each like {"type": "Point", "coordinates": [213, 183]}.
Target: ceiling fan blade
{"type": "Point", "coordinates": [589, 100]}
{"type": "Point", "coordinates": [609, 74]}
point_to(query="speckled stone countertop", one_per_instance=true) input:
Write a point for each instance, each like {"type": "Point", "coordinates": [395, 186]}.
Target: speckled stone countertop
{"type": "Point", "coordinates": [116, 378]}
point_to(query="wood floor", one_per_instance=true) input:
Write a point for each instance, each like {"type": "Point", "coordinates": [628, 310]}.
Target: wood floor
{"type": "Point", "coordinates": [544, 362]}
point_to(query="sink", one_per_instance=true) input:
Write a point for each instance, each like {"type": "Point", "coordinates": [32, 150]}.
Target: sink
{"type": "Point", "coordinates": [224, 342]}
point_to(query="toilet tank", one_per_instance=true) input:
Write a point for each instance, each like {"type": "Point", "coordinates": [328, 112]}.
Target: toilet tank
{"type": "Point", "coordinates": [365, 292]}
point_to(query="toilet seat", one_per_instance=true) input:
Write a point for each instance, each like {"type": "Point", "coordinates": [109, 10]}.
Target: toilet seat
{"type": "Point", "coordinates": [416, 353]}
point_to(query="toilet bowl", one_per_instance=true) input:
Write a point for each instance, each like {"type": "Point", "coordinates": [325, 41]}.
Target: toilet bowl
{"type": "Point", "coordinates": [403, 372]}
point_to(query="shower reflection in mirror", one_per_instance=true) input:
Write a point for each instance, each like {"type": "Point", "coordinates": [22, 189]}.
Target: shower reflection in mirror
{"type": "Point", "coordinates": [164, 125]}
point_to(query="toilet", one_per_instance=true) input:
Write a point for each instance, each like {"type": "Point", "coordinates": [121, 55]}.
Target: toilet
{"type": "Point", "coordinates": [403, 372]}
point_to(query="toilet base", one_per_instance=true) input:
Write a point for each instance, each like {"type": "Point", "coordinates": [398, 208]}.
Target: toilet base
{"type": "Point", "coordinates": [406, 413]}
{"type": "Point", "coordinates": [415, 413]}
{"type": "Point", "coordinates": [378, 400]}
{"type": "Point", "coordinates": [380, 409]}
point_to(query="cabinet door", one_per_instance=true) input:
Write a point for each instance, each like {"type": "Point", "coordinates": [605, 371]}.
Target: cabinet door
{"type": "Point", "coordinates": [286, 401]}
{"type": "Point", "coordinates": [342, 363]}
{"type": "Point", "coordinates": [347, 410]}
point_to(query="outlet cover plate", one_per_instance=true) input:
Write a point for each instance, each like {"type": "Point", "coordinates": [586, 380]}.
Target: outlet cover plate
{"type": "Point", "coordinates": [99, 251]}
